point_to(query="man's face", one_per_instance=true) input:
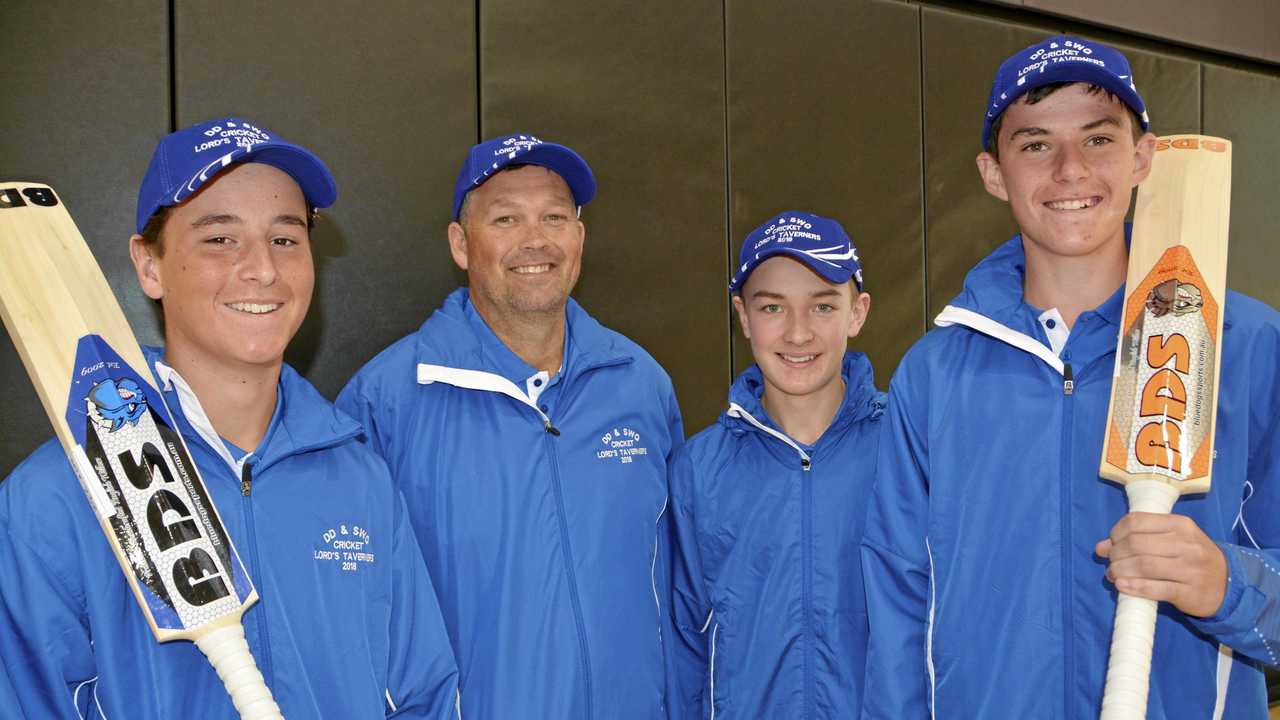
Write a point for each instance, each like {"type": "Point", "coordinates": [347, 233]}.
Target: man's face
{"type": "Point", "coordinates": [236, 274]}
{"type": "Point", "coordinates": [798, 325]}
{"type": "Point", "coordinates": [522, 243]}
{"type": "Point", "coordinates": [1067, 167]}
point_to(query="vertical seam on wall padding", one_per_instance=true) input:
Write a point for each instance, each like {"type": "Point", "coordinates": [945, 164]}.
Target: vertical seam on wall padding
{"type": "Point", "coordinates": [1201, 97]}
{"type": "Point", "coordinates": [173, 67]}
{"type": "Point", "coordinates": [479, 80]}
{"type": "Point", "coordinates": [924, 181]}
{"type": "Point", "coordinates": [728, 181]}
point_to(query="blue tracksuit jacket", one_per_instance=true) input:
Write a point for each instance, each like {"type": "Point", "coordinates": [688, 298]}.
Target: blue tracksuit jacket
{"type": "Point", "coordinates": [985, 597]}
{"type": "Point", "coordinates": [767, 584]}
{"type": "Point", "coordinates": [337, 642]}
{"type": "Point", "coordinates": [537, 501]}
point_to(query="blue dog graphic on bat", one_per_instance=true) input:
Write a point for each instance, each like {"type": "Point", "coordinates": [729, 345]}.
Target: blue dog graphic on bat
{"type": "Point", "coordinates": [112, 403]}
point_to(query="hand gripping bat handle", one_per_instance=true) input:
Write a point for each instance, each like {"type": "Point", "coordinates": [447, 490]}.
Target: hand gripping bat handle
{"type": "Point", "coordinates": [1129, 669]}
{"type": "Point", "coordinates": [227, 650]}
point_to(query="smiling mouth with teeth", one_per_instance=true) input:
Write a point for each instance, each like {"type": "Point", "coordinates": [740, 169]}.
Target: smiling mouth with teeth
{"type": "Point", "coordinates": [531, 269]}
{"type": "Point", "coordinates": [797, 358]}
{"type": "Point", "coordinates": [254, 308]}
{"type": "Point", "coordinates": [1079, 204]}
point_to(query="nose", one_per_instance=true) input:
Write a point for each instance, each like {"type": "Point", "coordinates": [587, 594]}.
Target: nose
{"type": "Point", "coordinates": [534, 236]}
{"type": "Point", "coordinates": [1070, 164]}
{"type": "Point", "coordinates": [256, 263]}
{"type": "Point", "coordinates": [798, 331]}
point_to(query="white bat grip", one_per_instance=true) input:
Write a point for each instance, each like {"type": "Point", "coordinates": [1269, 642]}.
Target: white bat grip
{"type": "Point", "coordinates": [229, 653]}
{"type": "Point", "coordinates": [1129, 668]}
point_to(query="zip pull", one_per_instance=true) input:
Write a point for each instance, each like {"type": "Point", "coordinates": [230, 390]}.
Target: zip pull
{"type": "Point", "coordinates": [246, 477]}
{"type": "Point", "coordinates": [1068, 383]}
{"type": "Point", "coordinates": [805, 464]}
{"type": "Point", "coordinates": [546, 425]}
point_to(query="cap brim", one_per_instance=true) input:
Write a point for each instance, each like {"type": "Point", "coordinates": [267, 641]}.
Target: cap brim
{"type": "Point", "coordinates": [567, 164]}
{"type": "Point", "coordinates": [831, 272]}
{"type": "Point", "coordinates": [309, 171]}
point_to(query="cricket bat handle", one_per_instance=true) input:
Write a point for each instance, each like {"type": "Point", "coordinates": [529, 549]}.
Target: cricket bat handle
{"type": "Point", "coordinates": [228, 651]}
{"type": "Point", "coordinates": [1132, 638]}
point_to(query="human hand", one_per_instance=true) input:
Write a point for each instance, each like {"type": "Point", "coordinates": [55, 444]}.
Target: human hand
{"type": "Point", "coordinates": [1166, 557]}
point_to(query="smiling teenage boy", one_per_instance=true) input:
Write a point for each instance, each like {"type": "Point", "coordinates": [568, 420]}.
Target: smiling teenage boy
{"type": "Point", "coordinates": [768, 502]}
{"type": "Point", "coordinates": [224, 244]}
{"type": "Point", "coordinates": [992, 551]}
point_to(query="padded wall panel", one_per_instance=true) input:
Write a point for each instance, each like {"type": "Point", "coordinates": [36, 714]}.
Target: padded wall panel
{"type": "Point", "coordinates": [85, 98]}
{"type": "Point", "coordinates": [824, 116]}
{"type": "Point", "coordinates": [638, 90]}
{"type": "Point", "coordinates": [387, 99]}
{"type": "Point", "coordinates": [963, 222]}
{"type": "Point", "coordinates": [1243, 106]}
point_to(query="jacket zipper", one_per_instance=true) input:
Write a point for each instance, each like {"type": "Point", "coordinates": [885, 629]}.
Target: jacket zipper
{"type": "Point", "coordinates": [263, 652]}
{"type": "Point", "coordinates": [806, 525]}
{"type": "Point", "coordinates": [1064, 511]}
{"type": "Point", "coordinates": [551, 432]}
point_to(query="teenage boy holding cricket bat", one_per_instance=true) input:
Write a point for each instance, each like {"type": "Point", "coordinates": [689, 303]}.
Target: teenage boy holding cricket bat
{"type": "Point", "coordinates": [347, 624]}
{"type": "Point", "coordinates": [768, 503]}
{"type": "Point", "coordinates": [993, 553]}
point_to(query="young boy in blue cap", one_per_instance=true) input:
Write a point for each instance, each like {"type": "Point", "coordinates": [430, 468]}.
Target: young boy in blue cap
{"type": "Point", "coordinates": [992, 553]}
{"type": "Point", "coordinates": [768, 503]}
{"type": "Point", "coordinates": [223, 243]}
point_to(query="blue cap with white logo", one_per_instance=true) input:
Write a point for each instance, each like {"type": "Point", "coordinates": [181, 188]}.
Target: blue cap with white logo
{"type": "Point", "coordinates": [818, 242]}
{"type": "Point", "coordinates": [1062, 59]}
{"type": "Point", "coordinates": [490, 156]}
{"type": "Point", "coordinates": [187, 159]}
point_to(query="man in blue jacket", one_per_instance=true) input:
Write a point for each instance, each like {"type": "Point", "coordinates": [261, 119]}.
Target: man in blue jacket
{"type": "Point", "coordinates": [992, 551]}
{"type": "Point", "coordinates": [532, 446]}
{"type": "Point", "coordinates": [223, 243]}
{"type": "Point", "coordinates": [768, 503]}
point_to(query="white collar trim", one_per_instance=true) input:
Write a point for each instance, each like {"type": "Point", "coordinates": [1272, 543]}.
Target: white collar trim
{"type": "Point", "coordinates": [195, 414]}
{"type": "Point", "coordinates": [952, 315]}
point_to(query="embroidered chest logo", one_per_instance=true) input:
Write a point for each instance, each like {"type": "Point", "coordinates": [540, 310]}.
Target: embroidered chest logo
{"type": "Point", "coordinates": [621, 444]}
{"type": "Point", "coordinates": [346, 547]}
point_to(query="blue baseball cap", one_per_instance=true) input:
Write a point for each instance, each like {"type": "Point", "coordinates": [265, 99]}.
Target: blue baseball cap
{"type": "Point", "coordinates": [1062, 59]}
{"type": "Point", "coordinates": [820, 243]}
{"type": "Point", "coordinates": [186, 160]}
{"type": "Point", "coordinates": [490, 156]}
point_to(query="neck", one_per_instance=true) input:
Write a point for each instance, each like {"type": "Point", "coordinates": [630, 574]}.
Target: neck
{"type": "Point", "coordinates": [536, 338]}
{"type": "Point", "coordinates": [238, 399]}
{"type": "Point", "coordinates": [1074, 285]}
{"type": "Point", "coordinates": [804, 417]}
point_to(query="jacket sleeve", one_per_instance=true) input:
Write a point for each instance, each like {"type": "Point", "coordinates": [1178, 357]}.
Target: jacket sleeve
{"type": "Point", "coordinates": [357, 400]}
{"type": "Point", "coordinates": [45, 648]}
{"type": "Point", "coordinates": [1248, 621]}
{"type": "Point", "coordinates": [422, 675]}
{"type": "Point", "coordinates": [689, 610]}
{"type": "Point", "coordinates": [895, 562]}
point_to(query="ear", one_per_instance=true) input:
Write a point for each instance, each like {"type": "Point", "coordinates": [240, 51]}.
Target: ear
{"type": "Point", "coordinates": [458, 244]}
{"type": "Point", "coordinates": [741, 309]}
{"type": "Point", "coordinates": [992, 176]}
{"type": "Point", "coordinates": [147, 267]}
{"type": "Point", "coordinates": [1143, 153]}
{"type": "Point", "coordinates": [861, 309]}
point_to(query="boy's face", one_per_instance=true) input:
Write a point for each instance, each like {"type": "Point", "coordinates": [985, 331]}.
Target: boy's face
{"type": "Point", "coordinates": [236, 274]}
{"type": "Point", "coordinates": [798, 325]}
{"type": "Point", "coordinates": [1067, 168]}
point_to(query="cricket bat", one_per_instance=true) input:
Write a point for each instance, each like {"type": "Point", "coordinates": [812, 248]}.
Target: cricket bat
{"type": "Point", "coordinates": [122, 441]}
{"type": "Point", "coordinates": [1164, 395]}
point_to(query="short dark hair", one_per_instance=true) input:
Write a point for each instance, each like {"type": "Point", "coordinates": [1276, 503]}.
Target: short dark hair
{"type": "Point", "coordinates": [151, 232]}
{"type": "Point", "coordinates": [1036, 94]}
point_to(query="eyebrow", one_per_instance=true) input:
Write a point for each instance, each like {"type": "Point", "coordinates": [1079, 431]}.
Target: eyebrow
{"type": "Point", "coordinates": [825, 292]}
{"type": "Point", "coordinates": [229, 219]}
{"type": "Point", "coordinates": [1034, 131]}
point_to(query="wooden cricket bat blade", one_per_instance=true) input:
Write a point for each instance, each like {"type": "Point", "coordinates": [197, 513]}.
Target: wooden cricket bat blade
{"type": "Point", "coordinates": [1164, 394]}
